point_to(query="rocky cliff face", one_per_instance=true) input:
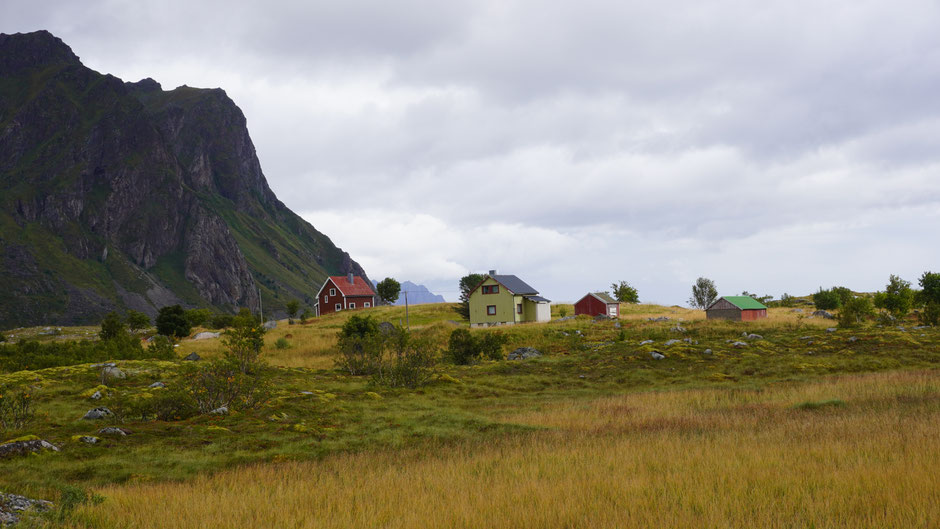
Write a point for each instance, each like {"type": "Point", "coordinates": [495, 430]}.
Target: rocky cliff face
{"type": "Point", "coordinates": [122, 195]}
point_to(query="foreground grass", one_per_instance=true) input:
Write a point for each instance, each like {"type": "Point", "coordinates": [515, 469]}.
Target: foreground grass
{"type": "Point", "coordinates": [693, 458]}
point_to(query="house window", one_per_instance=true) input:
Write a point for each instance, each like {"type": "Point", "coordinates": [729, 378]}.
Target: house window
{"type": "Point", "coordinates": [366, 304]}
{"type": "Point", "coordinates": [326, 298]}
{"type": "Point", "coordinates": [339, 307]}
{"type": "Point", "coordinates": [491, 310]}
{"type": "Point", "coordinates": [352, 305]}
{"type": "Point", "coordinates": [491, 289]}
{"type": "Point", "coordinates": [518, 308]}
{"type": "Point", "coordinates": [332, 291]}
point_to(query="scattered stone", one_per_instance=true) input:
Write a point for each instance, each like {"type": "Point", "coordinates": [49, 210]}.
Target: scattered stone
{"type": "Point", "coordinates": [89, 439]}
{"type": "Point", "coordinates": [563, 333]}
{"type": "Point", "coordinates": [386, 328]}
{"type": "Point", "coordinates": [671, 342]}
{"type": "Point", "coordinates": [678, 328]}
{"type": "Point", "coordinates": [646, 342]}
{"type": "Point", "coordinates": [112, 372]}
{"type": "Point", "coordinates": [221, 410]}
{"type": "Point", "coordinates": [810, 352]}
{"type": "Point", "coordinates": [157, 385]}
{"type": "Point", "coordinates": [853, 339]}
{"type": "Point", "coordinates": [902, 329]}
{"type": "Point", "coordinates": [797, 311]}
{"type": "Point", "coordinates": [192, 357]}
{"type": "Point", "coordinates": [524, 353]}
{"type": "Point", "coordinates": [103, 364]}
{"type": "Point", "coordinates": [566, 318]}
{"type": "Point", "coordinates": [307, 393]}
{"type": "Point", "coordinates": [811, 342]}
{"type": "Point", "coordinates": [581, 376]}
{"type": "Point", "coordinates": [96, 395]}
{"type": "Point", "coordinates": [739, 344]}
{"type": "Point", "coordinates": [578, 332]}
{"type": "Point", "coordinates": [617, 325]}
{"type": "Point", "coordinates": [744, 334]}
{"type": "Point", "coordinates": [806, 337]}
{"type": "Point", "coordinates": [707, 351]}
{"type": "Point", "coordinates": [12, 505]}
{"type": "Point", "coordinates": [271, 324]}
{"type": "Point", "coordinates": [824, 314]}
{"type": "Point", "coordinates": [21, 448]}
{"type": "Point", "coordinates": [688, 340]}
{"type": "Point", "coordinates": [602, 317]}
{"type": "Point", "coordinates": [661, 318]}
{"type": "Point", "coordinates": [754, 337]}
{"type": "Point", "coordinates": [97, 413]}
{"type": "Point", "coordinates": [657, 355]}
{"type": "Point", "coordinates": [831, 329]}
{"type": "Point", "coordinates": [114, 430]}
{"type": "Point", "coordinates": [206, 335]}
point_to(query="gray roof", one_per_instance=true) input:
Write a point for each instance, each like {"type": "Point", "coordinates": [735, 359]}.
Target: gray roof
{"type": "Point", "coordinates": [604, 296]}
{"type": "Point", "coordinates": [514, 284]}
{"type": "Point", "coordinates": [537, 299]}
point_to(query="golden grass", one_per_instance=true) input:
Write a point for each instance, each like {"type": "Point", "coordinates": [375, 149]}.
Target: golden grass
{"type": "Point", "coordinates": [867, 457]}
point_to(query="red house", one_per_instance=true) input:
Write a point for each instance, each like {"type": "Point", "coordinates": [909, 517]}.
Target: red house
{"type": "Point", "coordinates": [597, 303]}
{"type": "Point", "coordinates": [343, 293]}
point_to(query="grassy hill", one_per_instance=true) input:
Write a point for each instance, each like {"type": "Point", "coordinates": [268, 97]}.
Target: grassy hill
{"type": "Point", "coordinates": [802, 427]}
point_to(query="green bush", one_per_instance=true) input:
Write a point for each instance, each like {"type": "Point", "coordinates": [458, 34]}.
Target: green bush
{"type": "Point", "coordinates": [161, 348]}
{"type": "Point", "coordinates": [112, 327]}
{"type": "Point", "coordinates": [36, 355]}
{"type": "Point", "coordinates": [15, 408]}
{"type": "Point", "coordinates": [360, 355]}
{"type": "Point", "coordinates": [826, 299]}
{"type": "Point", "coordinates": [136, 320]}
{"type": "Point", "coordinates": [897, 298]}
{"type": "Point", "coordinates": [854, 311]}
{"type": "Point", "coordinates": [171, 321]}
{"type": "Point", "coordinates": [930, 315]}
{"type": "Point", "coordinates": [197, 317]}
{"type": "Point", "coordinates": [221, 321]}
{"type": "Point", "coordinates": [281, 343]}
{"type": "Point", "coordinates": [222, 383]}
{"type": "Point", "coordinates": [408, 362]}
{"type": "Point", "coordinates": [243, 343]}
{"type": "Point", "coordinates": [465, 348]}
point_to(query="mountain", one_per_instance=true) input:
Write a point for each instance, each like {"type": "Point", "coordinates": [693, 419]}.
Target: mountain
{"type": "Point", "coordinates": [119, 195]}
{"type": "Point", "coordinates": [417, 294]}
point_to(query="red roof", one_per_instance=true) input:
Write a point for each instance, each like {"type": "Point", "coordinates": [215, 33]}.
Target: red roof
{"type": "Point", "coordinates": [359, 287]}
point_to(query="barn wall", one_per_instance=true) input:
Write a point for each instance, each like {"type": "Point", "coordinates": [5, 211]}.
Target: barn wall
{"type": "Point", "coordinates": [591, 306]}
{"type": "Point", "coordinates": [724, 314]}
{"type": "Point", "coordinates": [753, 314]}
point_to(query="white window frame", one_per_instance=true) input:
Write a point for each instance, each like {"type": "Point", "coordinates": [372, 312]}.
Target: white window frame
{"type": "Point", "coordinates": [352, 305]}
{"type": "Point", "coordinates": [332, 291]}
{"type": "Point", "coordinates": [338, 307]}
{"type": "Point", "coordinates": [366, 305]}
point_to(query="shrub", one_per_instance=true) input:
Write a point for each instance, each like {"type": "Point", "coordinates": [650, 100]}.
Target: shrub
{"type": "Point", "coordinates": [465, 348]}
{"type": "Point", "coordinates": [222, 383]}
{"type": "Point", "coordinates": [562, 311]}
{"type": "Point", "coordinates": [360, 355]}
{"type": "Point", "coordinates": [243, 343]}
{"type": "Point", "coordinates": [112, 327]}
{"type": "Point", "coordinates": [161, 348]}
{"type": "Point", "coordinates": [171, 321]}
{"type": "Point", "coordinates": [15, 408]}
{"type": "Point", "coordinates": [136, 320]}
{"type": "Point", "coordinates": [221, 321]}
{"type": "Point", "coordinates": [171, 405]}
{"type": "Point", "coordinates": [35, 355]}
{"type": "Point", "coordinates": [624, 292]}
{"type": "Point", "coordinates": [197, 317]}
{"type": "Point", "coordinates": [854, 311]}
{"type": "Point", "coordinates": [281, 343]}
{"type": "Point", "coordinates": [897, 298]}
{"type": "Point", "coordinates": [305, 315]}
{"type": "Point", "coordinates": [71, 497]}
{"type": "Point", "coordinates": [491, 346]}
{"type": "Point", "coordinates": [410, 362]}
{"type": "Point", "coordinates": [826, 299]}
{"type": "Point", "coordinates": [292, 307]}
{"type": "Point", "coordinates": [931, 314]}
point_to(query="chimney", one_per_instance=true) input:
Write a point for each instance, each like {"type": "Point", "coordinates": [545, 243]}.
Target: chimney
{"type": "Point", "coordinates": [351, 279]}
{"type": "Point", "coordinates": [492, 273]}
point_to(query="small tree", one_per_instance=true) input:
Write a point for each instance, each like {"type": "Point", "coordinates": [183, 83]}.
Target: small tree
{"type": "Point", "coordinates": [467, 283]}
{"type": "Point", "coordinates": [465, 348]}
{"type": "Point", "coordinates": [112, 327]}
{"type": "Point", "coordinates": [361, 346]}
{"type": "Point", "coordinates": [305, 315]}
{"type": "Point", "coordinates": [930, 285]}
{"type": "Point", "coordinates": [624, 292]}
{"type": "Point", "coordinates": [244, 342]}
{"type": "Point", "coordinates": [704, 293]}
{"type": "Point", "coordinates": [136, 320]}
{"type": "Point", "coordinates": [826, 299]}
{"type": "Point", "coordinates": [897, 298]}
{"type": "Point", "coordinates": [171, 321]}
{"type": "Point", "coordinates": [388, 290]}
{"type": "Point", "coordinates": [854, 311]}
{"type": "Point", "coordinates": [292, 307]}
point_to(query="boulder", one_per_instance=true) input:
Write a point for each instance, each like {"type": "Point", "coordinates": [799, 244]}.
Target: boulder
{"type": "Point", "coordinates": [645, 342]}
{"type": "Point", "coordinates": [271, 324]}
{"type": "Point", "coordinates": [386, 328]}
{"type": "Point", "coordinates": [831, 329]}
{"type": "Point", "coordinates": [157, 385]}
{"type": "Point", "coordinates": [103, 364]}
{"type": "Point", "coordinates": [112, 372]}
{"type": "Point", "coordinates": [657, 355]}
{"type": "Point", "coordinates": [12, 505]}
{"type": "Point", "coordinates": [206, 335]}
{"type": "Point", "coordinates": [707, 351]}
{"type": "Point", "coordinates": [89, 439]}
{"type": "Point", "coordinates": [797, 311]}
{"type": "Point", "coordinates": [671, 342]}
{"type": "Point", "coordinates": [824, 314]}
{"type": "Point", "coordinates": [678, 328]}
{"type": "Point", "coordinates": [191, 357]}
{"type": "Point", "coordinates": [754, 337]}
{"type": "Point", "coordinates": [739, 344]}
{"type": "Point", "coordinates": [661, 318]}
{"type": "Point", "coordinates": [617, 325]}
{"type": "Point", "coordinates": [524, 353]}
{"type": "Point", "coordinates": [29, 446]}
{"type": "Point", "coordinates": [114, 430]}
{"type": "Point", "coordinates": [221, 410]}
{"type": "Point", "coordinates": [98, 413]}
{"type": "Point", "coordinates": [96, 395]}
{"type": "Point", "coordinates": [853, 339]}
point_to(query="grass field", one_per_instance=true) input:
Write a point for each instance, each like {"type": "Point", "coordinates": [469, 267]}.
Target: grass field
{"type": "Point", "coordinates": [801, 428]}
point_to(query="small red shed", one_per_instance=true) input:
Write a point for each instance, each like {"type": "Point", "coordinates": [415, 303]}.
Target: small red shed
{"type": "Point", "coordinates": [738, 308]}
{"type": "Point", "coordinates": [596, 304]}
{"type": "Point", "coordinates": [343, 293]}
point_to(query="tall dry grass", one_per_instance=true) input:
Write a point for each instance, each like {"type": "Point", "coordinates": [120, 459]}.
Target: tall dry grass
{"type": "Point", "coordinates": [853, 451]}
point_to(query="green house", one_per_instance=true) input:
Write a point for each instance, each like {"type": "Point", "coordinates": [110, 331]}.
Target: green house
{"type": "Point", "coordinates": [506, 300]}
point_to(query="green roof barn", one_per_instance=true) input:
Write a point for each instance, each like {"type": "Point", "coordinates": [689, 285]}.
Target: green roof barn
{"type": "Point", "coordinates": [737, 308]}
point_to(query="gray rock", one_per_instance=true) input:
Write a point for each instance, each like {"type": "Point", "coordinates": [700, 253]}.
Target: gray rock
{"type": "Point", "coordinates": [578, 332]}
{"type": "Point", "coordinates": [902, 329]}
{"type": "Point", "coordinates": [707, 351]}
{"type": "Point", "coordinates": [853, 339]}
{"type": "Point", "coordinates": [688, 340]}
{"type": "Point", "coordinates": [20, 448]}
{"type": "Point", "coordinates": [89, 439]}
{"type": "Point", "coordinates": [824, 314]}
{"type": "Point", "coordinates": [671, 342]}
{"type": "Point", "coordinates": [206, 335]}
{"type": "Point", "coordinates": [678, 328]}
{"type": "Point", "coordinates": [12, 505]}
{"type": "Point", "coordinates": [387, 328]}
{"type": "Point", "coordinates": [98, 413]}
{"type": "Point", "coordinates": [96, 395]}
{"type": "Point", "coordinates": [157, 385]}
{"type": "Point", "coordinates": [754, 337]}
{"type": "Point", "coordinates": [797, 311]}
{"type": "Point", "coordinates": [661, 318]}
{"type": "Point", "coordinates": [114, 430]}
{"type": "Point", "coordinates": [524, 353]}
{"type": "Point", "coordinates": [831, 329]}
{"type": "Point", "coordinates": [602, 317]}
{"type": "Point", "coordinates": [271, 324]}
{"type": "Point", "coordinates": [739, 344]}
{"type": "Point", "coordinates": [566, 318]}
{"type": "Point", "coordinates": [192, 357]}
{"type": "Point", "coordinates": [646, 342]}
{"type": "Point", "coordinates": [657, 355]}
{"type": "Point", "coordinates": [103, 364]}
{"type": "Point", "coordinates": [617, 325]}
{"type": "Point", "coordinates": [811, 353]}
{"type": "Point", "coordinates": [806, 337]}
{"type": "Point", "coordinates": [221, 410]}
{"type": "Point", "coordinates": [307, 393]}
{"type": "Point", "coordinates": [112, 372]}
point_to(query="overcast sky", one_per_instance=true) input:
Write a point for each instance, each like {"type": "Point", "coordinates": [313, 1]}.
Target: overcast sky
{"type": "Point", "coordinates": [772, 146]}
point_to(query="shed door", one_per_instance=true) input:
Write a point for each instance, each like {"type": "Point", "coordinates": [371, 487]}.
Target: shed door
{"type": "Point", "coordinates": [612, 311]}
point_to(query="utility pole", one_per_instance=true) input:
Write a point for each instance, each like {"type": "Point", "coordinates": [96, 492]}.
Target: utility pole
{"type": "Point", "coordinates": [260, 308]}
{"type": "Point", "coordinates": [406, 311]}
